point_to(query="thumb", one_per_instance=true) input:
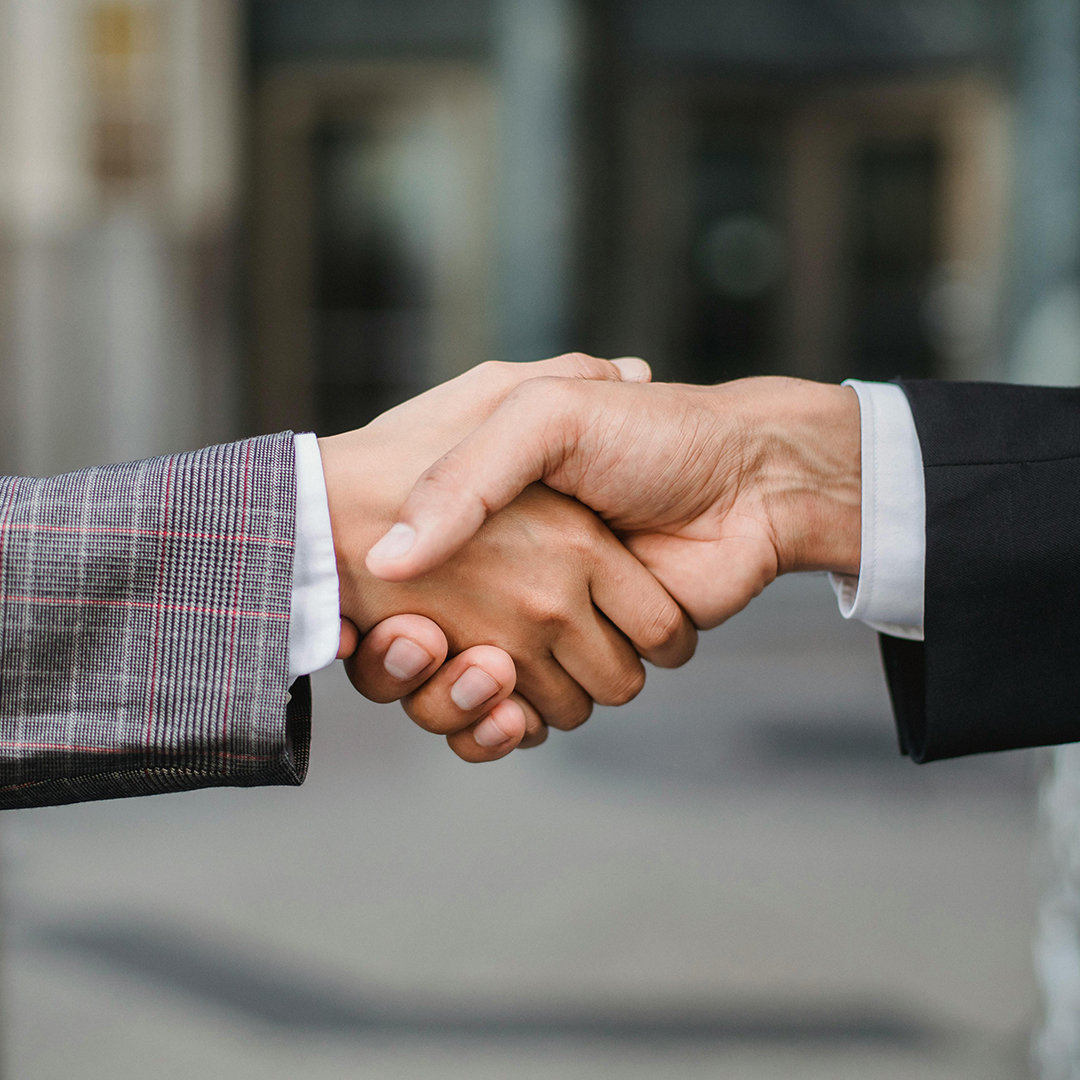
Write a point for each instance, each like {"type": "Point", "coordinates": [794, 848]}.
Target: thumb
{"type": "Point", "coordinates": [525, 439]}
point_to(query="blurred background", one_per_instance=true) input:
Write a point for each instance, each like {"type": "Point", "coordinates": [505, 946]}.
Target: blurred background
{"type": "Point", "coordinates": [220, 218]}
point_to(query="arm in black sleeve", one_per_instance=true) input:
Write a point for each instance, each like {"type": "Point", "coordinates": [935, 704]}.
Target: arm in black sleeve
{"type": "Point", "coordinates": [1000, 665]}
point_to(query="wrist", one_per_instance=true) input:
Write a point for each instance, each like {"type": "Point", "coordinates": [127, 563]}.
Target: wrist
{"type": "Point", "coordinates": [808, 453]}
{"type": "Point", "coordinates": [363, 495]}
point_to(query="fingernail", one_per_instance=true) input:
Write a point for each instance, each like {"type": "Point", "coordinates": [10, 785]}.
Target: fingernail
{"type": "Point", "coordinates": [473, 689]}
{"type": "Point", "coordinates": [397, 542]}
{"type": "Point", "coordinates": [633, 369]}
{"type": "Point", "coordinates": [488, 734]}
{"type": "Point", "coordinates": [405, 659]}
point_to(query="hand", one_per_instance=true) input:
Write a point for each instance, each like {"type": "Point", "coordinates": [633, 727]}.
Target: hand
{"type": "Point", "coordinates": [402, 659]}
{"type": "Point", "coordinates": [716, 490]}
{"type": "Point", "coordinates": [538, 580]}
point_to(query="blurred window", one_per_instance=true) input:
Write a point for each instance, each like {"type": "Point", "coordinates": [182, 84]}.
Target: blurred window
{"type": "Point", "coordinates": [817, 230]}
{"type": "Point", "coordinates": [373, 229]}
{"type": "Point", "coordinates": [893, 214]}
{"type": "Point", "coordinates": [737, 251]}
{"type": "Point", "coordinates": [372, 296]}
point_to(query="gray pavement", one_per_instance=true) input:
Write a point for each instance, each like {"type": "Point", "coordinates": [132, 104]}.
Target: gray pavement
{"type": "Point", "coordinates": [735, 876]}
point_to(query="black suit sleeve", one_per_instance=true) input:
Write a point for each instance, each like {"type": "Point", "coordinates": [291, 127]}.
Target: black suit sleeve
{"type": "Point", "coordinates": [1000, 666]}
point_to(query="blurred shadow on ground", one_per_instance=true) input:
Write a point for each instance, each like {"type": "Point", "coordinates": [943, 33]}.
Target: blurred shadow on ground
{"type": "Point", "coordinates": [266, 992]}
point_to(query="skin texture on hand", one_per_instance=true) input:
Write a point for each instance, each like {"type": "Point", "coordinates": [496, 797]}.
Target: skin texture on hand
{"type": "Point", "coordinates": [543, 580]}
{"type": "Point", "coordinates": [716, 490]}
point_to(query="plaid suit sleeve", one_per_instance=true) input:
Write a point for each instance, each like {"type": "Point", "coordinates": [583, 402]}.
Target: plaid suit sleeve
{"type": "Point", "coordinates": [144, 625]}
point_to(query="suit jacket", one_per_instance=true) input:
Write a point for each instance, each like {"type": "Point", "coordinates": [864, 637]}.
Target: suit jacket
{"type": "Point", "coordinates": [144, 624]}
{"type": "Point", "coordinates": [1000, 665]}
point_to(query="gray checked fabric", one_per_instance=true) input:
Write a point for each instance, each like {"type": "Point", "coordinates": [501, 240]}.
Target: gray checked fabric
{"type": "Point", "coordinates": [144, 626]}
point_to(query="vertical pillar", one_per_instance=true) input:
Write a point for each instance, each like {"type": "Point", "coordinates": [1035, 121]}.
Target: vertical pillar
{"type": "Point", "coordinates": [538, 48]}
{"type": "Point", "coordinates": [1046, 250]}
{"type": "Point", "coordinates": [1046, 350]}
{"type": "Point", "coordinates": [1057, 943]}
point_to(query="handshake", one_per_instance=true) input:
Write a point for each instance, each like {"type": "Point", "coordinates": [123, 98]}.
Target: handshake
{"type": "Point", "coordinates": [550, 525]}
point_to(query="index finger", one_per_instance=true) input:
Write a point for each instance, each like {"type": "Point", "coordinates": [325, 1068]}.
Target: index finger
{"type": "Point", "coordinates": [527, 437]}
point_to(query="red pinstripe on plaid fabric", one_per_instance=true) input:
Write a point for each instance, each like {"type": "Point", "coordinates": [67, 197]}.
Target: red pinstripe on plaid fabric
{"type": "Point", "coordinates": [192, 609]}
{"type": "Point", "coordinates": [171, 534]}
{"type": "Point", "coordinates": [77, 748]}
{"type": "Point", "coordinates": [159, 663]}
{"type": "Point", "coordinates": [236, 596]}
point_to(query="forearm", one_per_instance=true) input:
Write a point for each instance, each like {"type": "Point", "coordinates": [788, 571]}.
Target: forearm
{"type": "Point", "coordinates": [144, 613]}
{"type": "Point", "coordinates": [998, 667]}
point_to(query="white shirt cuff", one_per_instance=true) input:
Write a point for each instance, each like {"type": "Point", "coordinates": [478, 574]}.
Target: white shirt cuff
{"type": "Point", "coordinates": [315, 618]}
{"type": "Point", "coordinates": [888, 593]}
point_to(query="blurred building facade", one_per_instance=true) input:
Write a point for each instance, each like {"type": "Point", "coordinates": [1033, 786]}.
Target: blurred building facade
{"type": "Point", "coordinates": [815, 188]}
{"type": "Point", "coordinates": [811, 188]}
{"type": "Point", "coordinates": [119, 164]}
{"type": "Point", "coordinates": [219, 217]}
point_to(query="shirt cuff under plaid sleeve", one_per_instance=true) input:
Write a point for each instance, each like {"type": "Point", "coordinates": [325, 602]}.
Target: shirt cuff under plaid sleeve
{"type": "Point", "coordinates": [888, 593]}
{"type": "Point", "coordinates": [315, 619]}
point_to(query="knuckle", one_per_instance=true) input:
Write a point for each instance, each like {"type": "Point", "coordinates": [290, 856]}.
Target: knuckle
{"type": "Point", "coordinates": [581, 531]}
{"type": "Point", "coordinates": [446, 479]}
{"type": "Point", "coordinates": [439, 476]}
{"type": "Point", "coordinates": [549, 608]}
{"type": "Point", "coordinates": [468, 751]}
{"type": "Point", "coordinates": [663, 629]}
{"type": "Point", "coordinates": [626, 686]}
{"type": "Point", "coordinates": [526, 394]}
{"type": "Point", "coordinates": [493, 369]}
{"type": "Point", "coordinates": [572, 715]}
{"type": "Point", "coordinates": [433, 720]}
{"type": "Point", "coordinates": [582, 366]}
{"type": "Point", "coordinates": [548, 391]}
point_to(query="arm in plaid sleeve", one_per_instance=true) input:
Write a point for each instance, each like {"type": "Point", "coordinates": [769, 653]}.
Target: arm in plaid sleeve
{"type": "Point", "coordinates": [144, 627]}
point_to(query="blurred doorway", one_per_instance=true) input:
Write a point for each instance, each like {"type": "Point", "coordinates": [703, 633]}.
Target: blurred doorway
{"type": "Point", "coordinates": [372, 237]}
{"type": "Point", "coordinates": [827, 231]}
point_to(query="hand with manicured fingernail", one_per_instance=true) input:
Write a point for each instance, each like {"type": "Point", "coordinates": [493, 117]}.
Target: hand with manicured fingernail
{"type": "Point", "coordinates": [544, 612]}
